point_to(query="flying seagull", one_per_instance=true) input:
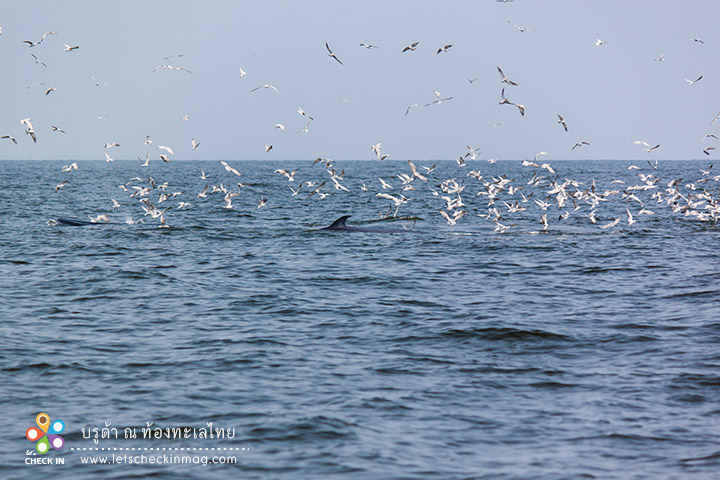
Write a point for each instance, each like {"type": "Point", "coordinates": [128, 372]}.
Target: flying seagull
{"type": "Point", "coordinates": [331, 54]}
{"type": "Point", "coordinates": [411, 47]}
{"type": "Point", "coordinates": [444, 49]}
{"type": "Point", "coordinates": [265, 86]}
{"type": "Point", "coordinates": [504, 78]}
{"type": "Point", "coordinates": [693, 82]}
{"type": "Point", "coordinates": [561, 121]}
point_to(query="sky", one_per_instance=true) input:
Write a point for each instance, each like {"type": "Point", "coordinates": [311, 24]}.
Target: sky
{"type": "Point", "coordinates": [610, 95]}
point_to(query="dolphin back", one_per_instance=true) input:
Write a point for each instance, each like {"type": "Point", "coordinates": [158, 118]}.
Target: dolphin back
{"type": "Point", "coordinates": [338, 224]}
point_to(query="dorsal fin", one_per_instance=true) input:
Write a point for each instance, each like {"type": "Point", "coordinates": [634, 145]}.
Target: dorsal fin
{"type": "Point", "coordinates": [339, 223]}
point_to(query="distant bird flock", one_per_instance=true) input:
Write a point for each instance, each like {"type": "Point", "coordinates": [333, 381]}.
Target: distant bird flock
{"type": "Point", "coordinates": [467, 193]}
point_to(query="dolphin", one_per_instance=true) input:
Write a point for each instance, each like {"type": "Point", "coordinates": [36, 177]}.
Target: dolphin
{"type": "Point", "coordinates": [73, 222]}
{"type": "Point", "coordinates": [340, 226]}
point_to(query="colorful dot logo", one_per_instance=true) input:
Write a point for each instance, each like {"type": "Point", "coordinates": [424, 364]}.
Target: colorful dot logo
{"type": "Point", "coordinates": [47, 435]}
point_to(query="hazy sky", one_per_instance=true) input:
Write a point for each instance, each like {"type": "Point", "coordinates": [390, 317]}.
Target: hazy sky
{"type": "Point", "coordinates": [610, 95]}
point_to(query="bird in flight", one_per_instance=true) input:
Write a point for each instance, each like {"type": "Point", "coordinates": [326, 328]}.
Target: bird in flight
{"type": "Point", "coordinates": [302, 112]}
{"type": "Point", "coordinates": [693, 82]}
{"type": "Point", "coordinates": [520, 29]}
{"type": "Point", "coordinates": [368, 45]}
{"type": "Point", "coordinates": [444, 49]}
{"type": "Point", "coordinates": [37, 60]}
{"type": "Point", "coordinates": [411, 47]}
{"type": "Point", "coordinates": [504, 78]}
{"type": "Point", "coordinates": [331, 54]}
{"type": "Point", "coordinates": [579, 144]}
{"type": "Point", "coordinates": [561, 121]}
{"type": "Point", "coordinates": [505, 101]}
{"type": "Point", "coordinates": [265, 86]}
{"type": "Point", "coordinates": [68, 48]}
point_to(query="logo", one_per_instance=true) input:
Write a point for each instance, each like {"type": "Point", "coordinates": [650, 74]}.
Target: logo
{"type": "Point", "coordinates": [47, 435]}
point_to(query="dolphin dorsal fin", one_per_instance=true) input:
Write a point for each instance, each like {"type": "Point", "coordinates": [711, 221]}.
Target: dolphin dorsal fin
{"type": "Point", "coordinates": [339, 223]}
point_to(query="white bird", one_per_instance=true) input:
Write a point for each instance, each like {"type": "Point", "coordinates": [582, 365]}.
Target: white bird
{"type": "Point", "coordinates": [108, 158]}
{"type": "Point", "coordinates": [57, 129]}
{"type": "Point", "coordinates": [302, 112]}
{"type": "Point", "coordinates": [265, 86]}
{"type": "Point", "coordinates": [69, 168]}
{"type": "Point", "coordinates": [505, 101]}
{"type": "Point", "coordinates": [385, 185]}
{"type": "Point", "coordinates": [611, 224]}
{"type": "Point", "coordinates": [29, 130]}
{"type": "Point", "coordinates": [305, 128]}
{"type": "Point", "coordinates": [660, 58]}
{"type": "Point", "coordinates": [112, 144]}
{"type": "Point", "coordinates": [410, 47]}
{"type": "Point", "coordinates": [148, 140]}
{"type": "Point", "coordinates": [693, 82]}
{"type": "Point", "coordinates": [599, 42]}
{"type": "Point", "coordinates": [98, 83]}
{"type": "Point", "coordinates": [147, 160]}
{"type": "Point", "coordinates": [410, 107]}
{"type": "Point", "coordinates": [242, 72]}
{"type": "Point", "coordinates": [8, 137]}
{"type": "Point", "coordinates": [167, 149]}
{"type": "Point", "coordinates": [194, 144]}
{"type": "Point", "coordinates": [115, 203]}
{"type": "Point", "coordinates": [368, 45]}
{"type": "Point", "coordinates": [504, 78]}
{"type": "Point", "coordinates": [562, 122]}
{"type": "Point", "coordinates": [262, 202]}
{"type": "Point", "coordinates": [376, 148]}
{"type": "Point", "coordinates": [295, 191]}
{"type": "Point", "coordinates": [579, 144]}
{"type": "Point", "coordinates": [290, 175]}
{"type": "Point", "coordinates": [697, 40]}
{"type": "Point", "coordinates": [280, 126]}
{"type": "Point", "coordinates": [229, 168]}
{"type": "Point", "coordinates": [331, 54]}
{"type": "Point", "coordinates": [521, 29]}
{"type": "Point", "coordinates": [68, 48]}
{"type": "Point", "coordinates": [37, 60]}
{"type": "Point", "coordinates": [444, 48]}
{"type": "Point", "coordinates": [185, 118]}
{"type": "Point", "coordinates": [268, 148]}
{"type": "Point", "coordinates": [50, 90]}
{"type": "Point", "coordinates": [630, 219]}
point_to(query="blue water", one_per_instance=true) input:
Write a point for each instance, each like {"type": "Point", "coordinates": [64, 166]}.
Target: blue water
{"type": "Point", "coordinates": [443, 352]}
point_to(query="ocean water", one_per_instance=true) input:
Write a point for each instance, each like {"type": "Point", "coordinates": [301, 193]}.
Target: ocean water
{"type": "Point", "coordinates": [445, 351]}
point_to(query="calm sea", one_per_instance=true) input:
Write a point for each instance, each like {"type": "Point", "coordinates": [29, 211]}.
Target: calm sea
{"type": "Point", "coordinates": [446, 352]}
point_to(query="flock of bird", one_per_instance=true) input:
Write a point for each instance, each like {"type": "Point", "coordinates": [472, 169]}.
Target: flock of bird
{"type": "Point", "coordinates": [496, 199]}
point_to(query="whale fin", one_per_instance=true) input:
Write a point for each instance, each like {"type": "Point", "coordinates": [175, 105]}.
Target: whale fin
{"type": "Point", "coordinates": [338, 224]}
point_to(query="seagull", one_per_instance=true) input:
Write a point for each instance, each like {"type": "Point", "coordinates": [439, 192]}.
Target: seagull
{"type": "Point", "coordinates": [242, 72]}
{"type": "Point", "coordinates": [60, 185]}
{"type": "Point", "coordinates": [31, 43]}
{"type": "Point", "coordinates": [68, 48]}
{"type": "Point", "coordinates": [147, 160]}
{"type": "Point", "coordinates": [505, 101]}
{"type": "Point", "coordinates": [56, 129]}
{"type": "Point", "coordinates": [185, 118]}
{"type": "Point", "coordinates": [262, 202]}
{"type": "Point", "coordinates": [148, 140]}
{"type": "Point", "coordinates": [268, 148]}
{"type": "Point", "coordinates": [611, 224]}
{"type": "Point", "coordinates": [411, 47]}
{"type": "Point", "coordinates": [265, 86]}
{"type": "Point", "coordinates": [229, 168]}
{"type": "Point", "coordinates": [167, 149]}
{"type": "Point", "coordinates": [69, 168]}
{"type": "Point", "coordinates": [37, 60]}
{"type": "Point", "coordinates": [630, 219]}
{"type": "Point", "coordinates": [98, 83]}
{"type": "Point", "coordinates": [194, 144]}
{"type": "Point", "coordinates": [444, 49]}
{"type": "Point", "coordinates": [538, 154]}
{"type": "Point", "coordinates": [438, 101]}
{"type": "Point", "coordinates": [504, 78]}
{"type": "Point", "coordinates": [376, 148]}
{"type": "Point", "coordinates": [693, 82]}
{"type": "Point", "coordinates": [561, 121]}
{"type": "Point", "coordinates": [697, 40]}
{"type": "Point", "coordinates": [290, 175]}
{"type": "Point", "coordinates": [112, 144]}
{"type": "Point", "coordinates": [331, 54]}
{"type": "Point", "coordinates": [295, 191]}
{"type": "Point", "coordinates": [302, 112]}
{"type": "Point", "coordinates": [415, 172]}
{"type": "Point", "coordinates": [368, 45]}
{"type": "Point", "coordinates": [707, 150]}
{"type": "Point", "coordinates": [108, 158]}
{"type": "Point", "coordinates": [521, 29]}
{"type": "Point", "coordinates": [29, 130]}
{"type": "Point", "coordinates": [544, 221]}
{"type": "Point", "coordinates": [50, 90]}
{"type": "Point", "coordinates": [115, 203]}
{"type": "Point", "coordinates": [712, 135]}
{"type": "Point", "coordinates": [164, 158]}
{"type": "Point", "coordinates": [8, 137]}
{"type": "Point", "coordinates": [317, 190]}
{"type": "Point", "coordinates": [579, 144]}
{"type": "Point", "coordinates": [599, 42]}
{"type": "Point", "coordinates": [410, 107]}
{"type": "Point", "coordinates": [305, 128]}
{"type": "Point", "coordinates": [715, 119]}
{"type": "Point", "coordinates": [471, 80]}
{"type": "Point", "coordinates": [660, 58]}
{"type": "Point", "coordinates": [280, 126]}
{"type": "Point", "coordinates": [385, 185]}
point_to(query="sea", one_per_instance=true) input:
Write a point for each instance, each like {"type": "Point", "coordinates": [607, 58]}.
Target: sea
{"type": "Point", "coordinates": [248, 342]}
